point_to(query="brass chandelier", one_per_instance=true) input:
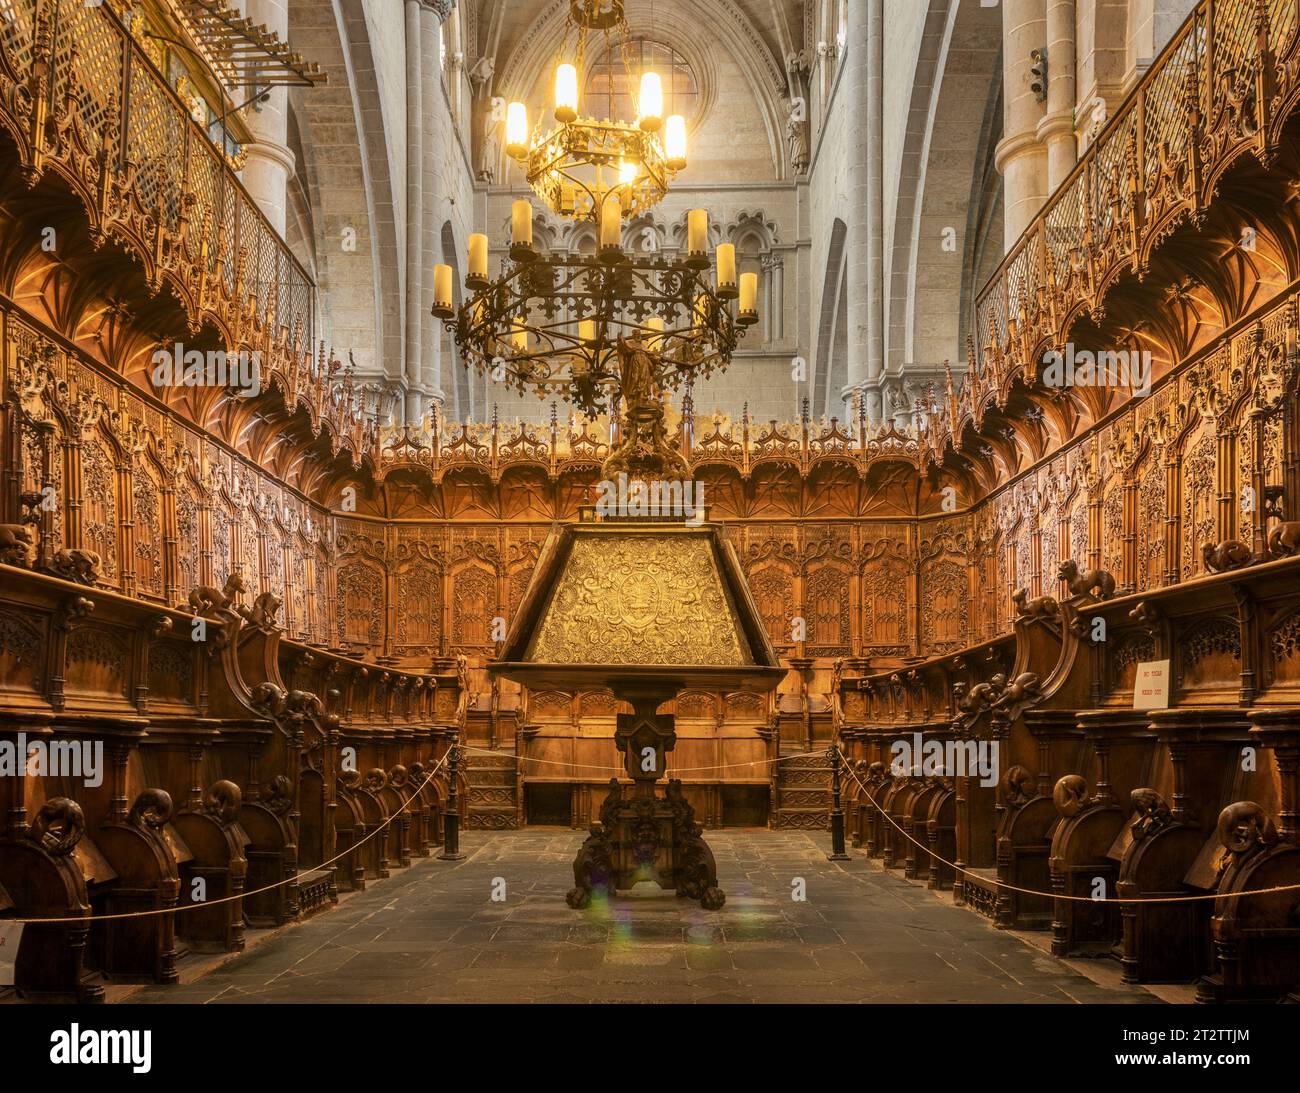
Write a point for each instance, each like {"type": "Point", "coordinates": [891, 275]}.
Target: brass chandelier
{"type": "Point", "coordinates": [554, 323]}
{"type": "Point", "coordinates": [576, 165]}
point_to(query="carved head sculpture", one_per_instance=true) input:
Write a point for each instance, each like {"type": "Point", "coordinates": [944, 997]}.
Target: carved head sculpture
{"type": "Point", "coordinates": [15, 544]}
{"type": "Point", "coordinates": [58, 826]}
{"type": "Point", "coordinates": [1151, 813]}
{"type": "Point", "coordinates": [304, 703]}
{"type": "Point", "coordinates": [1244, 827]}
{"type": "Point", "coordinates": [349, 779]}
{"type": "Point", "coordinates": [397, 776]}
{"type": "Point", "coordinates": [1017, 786]}
{"type": "Point", "coordinates": [277, 795]}
{"type": "Point", "coordinates": [267, 697]}
{"type": "Point", "coordinates": [223, 801]}
{"type": "Point", "coordinates": [376, 779]}
{"type": "Point", "coordinates": [1070, 795]}
{"type": "Point", "coordinates": [152, 808]}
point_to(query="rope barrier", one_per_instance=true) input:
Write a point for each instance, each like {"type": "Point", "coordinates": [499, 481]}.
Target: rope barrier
{"type": "Point", "coordinates": [1056, 895]}
{"type": "Point", "coordinates": [622, 770]}
{"type": "Point", "coordinates": [242, 895]}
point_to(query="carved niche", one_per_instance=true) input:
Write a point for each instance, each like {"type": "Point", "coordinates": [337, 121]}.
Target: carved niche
{"type": "Point", "coordinates": [419, 595]}
{"type": "Point", "coordinates": [1282, 664]}
{"type": "Point", "coordinates": [473, 607]}
{"type": "Point", "coordinates": [772, 587]}
{"type": "Point", "coordinates": [944, 606]}
{"type": "Point", "coordinates": [884, 605]}
{"type": "Point", "coordinates": [99, 503]}
{"type": "Point", "coordinates": [1200, 498]}
{"type": "Point", "coordinates": [146, 505]}
{"type": "Point", "coordinates": [97, 661]}
{"type": "Point", "coordinates": [827, 611]}
{"type": "Point", "coordinates": [20, 653]}
{"type": "Point", "coordinates": [1210, 653]}
{"type": "Point", "coordinates": [358, 602]}
{"type": "Point", "coordinates": [1151, 527]}
{"type": "Point", "coordinates": [171, 670]}
{"type": "Point", "coordinates": [187, 534]}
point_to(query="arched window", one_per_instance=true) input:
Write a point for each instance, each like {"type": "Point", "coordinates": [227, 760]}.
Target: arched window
{"type": "Point", "coordinates": [608, 94]}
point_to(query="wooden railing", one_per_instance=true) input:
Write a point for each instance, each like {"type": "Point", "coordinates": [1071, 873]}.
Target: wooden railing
{"type": "Point", "coordinates": [1216, 91]}
{"type": "Point", "coordinates": [83, 99]}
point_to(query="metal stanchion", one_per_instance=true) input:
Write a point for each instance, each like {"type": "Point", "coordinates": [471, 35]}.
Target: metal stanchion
{"type": "Point", "coordinates": [451, 818]}
{"type": "Point", "coordinates": [837, 813]}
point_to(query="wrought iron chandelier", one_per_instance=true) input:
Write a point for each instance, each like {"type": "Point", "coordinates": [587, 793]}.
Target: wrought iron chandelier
{"type": "Point", "coordinates": [574, 166]}
{"type": "Point", "coordinates": [554, 323]}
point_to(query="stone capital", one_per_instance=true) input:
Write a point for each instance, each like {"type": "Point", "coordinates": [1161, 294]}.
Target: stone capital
{"type": "Point", "coordinates": [1061, 123]}
{"type": "Point", "coordinates": [1012, 147]}
{"type": "Point", "coordinates": [275, 152]}
{"type": "Point", "coordinates": [440, 8]}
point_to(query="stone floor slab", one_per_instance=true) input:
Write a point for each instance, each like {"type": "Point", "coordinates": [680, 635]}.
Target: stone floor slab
{"type": "Point", "coordinates": [433, 933]}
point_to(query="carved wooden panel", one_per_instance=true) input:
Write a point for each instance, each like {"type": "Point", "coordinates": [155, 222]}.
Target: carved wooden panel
{"type": "Point", "coordinates": [100, 509]}
{"type": "Point", "coordinates": [827, 611]}
{"type": "Point", "coordinates": [359, 598]}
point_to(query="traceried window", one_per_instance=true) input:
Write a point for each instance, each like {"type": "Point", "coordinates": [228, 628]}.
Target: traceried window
{"type": "Point", "coordinates": [609, 96]}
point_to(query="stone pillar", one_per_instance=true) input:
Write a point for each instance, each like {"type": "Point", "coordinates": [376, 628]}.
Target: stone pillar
{"type": "Point", "coordinates": [1056, 129]}
{"type": "Point", "coordinates": [1021, 159]}
{"type": "Point", "coordinates": [269, 163]}
{"type": "Point", "coordinates": [416, 306]}
{"type": "Point", "coordinates": [434, 204]}
{"type": "Point", "coordinates": [864, 125]}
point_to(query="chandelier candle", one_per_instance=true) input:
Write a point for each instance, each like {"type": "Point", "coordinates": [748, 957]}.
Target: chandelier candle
{"type": "Point", "coordinates": [516, 130]}
{"type": "Point", "coordinates": [566, 94]}
{"type": "Point", "coordinates": [656, 324]}
{"type": "Point", "coordinates": [675, 142]}
{"type": "Point", "coordinates": [748, 312]}
{"type": "Point", "coordinates": [478, 262]}
{"type": "Point", "coordinates": [727, 271]}
{"type": "Point", "coordinates": [611, 229]}
{"type": "Point", "coordinates": [652, 102]}
{"type": "Point", "coordinates": [521, 231]}
{"type": "Point", "coordinates": [442, 305]}
{"type": "Point", "coordinates": [697, 239]}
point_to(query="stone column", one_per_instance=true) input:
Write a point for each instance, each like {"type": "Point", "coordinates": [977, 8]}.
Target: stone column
{"type": "Point", "coordinates": [269, 163]}
{"type": "Point", "coordinates": [864, 126]}
{"type": "Point", "coordinates": [415, 305]}
{"type": "Point", "coordinates": [1021, 159]}
{"type": "Point", "coordinates": [438, 149]}
{"type": "Point", "coordinates": [1056, 129]}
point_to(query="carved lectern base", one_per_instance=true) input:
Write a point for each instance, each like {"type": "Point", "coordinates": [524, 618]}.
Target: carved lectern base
{"type": "Point", "coordinates": [646, 837]}
{"type": "Point", "coordinates": [611, 604]}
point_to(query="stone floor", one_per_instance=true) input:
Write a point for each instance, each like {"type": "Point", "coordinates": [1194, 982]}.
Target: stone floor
{"type": "Point", "coordinates": [434, 934]}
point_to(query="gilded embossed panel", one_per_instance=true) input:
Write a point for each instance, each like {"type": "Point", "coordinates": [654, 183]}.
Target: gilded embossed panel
{"type": "Point", "coordinates": [639, 599]}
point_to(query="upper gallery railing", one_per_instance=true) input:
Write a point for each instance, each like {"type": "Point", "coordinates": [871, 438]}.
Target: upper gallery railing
{"type": "Point", "coordinates": [1213, 92]}
{"type": "Point", "coordinates": [439, 446]}
{"type": "Point", "coordinates": [83, 98]}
